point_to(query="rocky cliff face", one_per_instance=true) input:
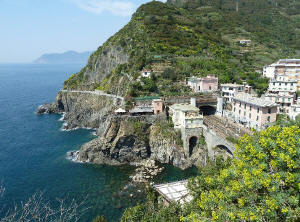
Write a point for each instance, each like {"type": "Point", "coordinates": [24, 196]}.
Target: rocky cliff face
{"type": "Point", "coordinates": [130, 140]}
{"type": "Point", "coordinates": [103, 61]}
{"type": "Point", "coordinates": [81, 109]}
{"type": "Point", "coordinates": [122, 142]}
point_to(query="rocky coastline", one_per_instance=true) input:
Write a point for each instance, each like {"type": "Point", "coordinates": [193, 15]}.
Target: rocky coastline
{"type": "Point", "coordinates": [132, 140]}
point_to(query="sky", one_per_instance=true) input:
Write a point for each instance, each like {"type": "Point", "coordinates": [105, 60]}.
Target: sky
{"type": "Point", "coordinates": [30, 28]}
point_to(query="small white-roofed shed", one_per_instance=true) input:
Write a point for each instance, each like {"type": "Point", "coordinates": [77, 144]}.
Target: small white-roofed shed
{"type": "Point", "coordinates": [174, 192]}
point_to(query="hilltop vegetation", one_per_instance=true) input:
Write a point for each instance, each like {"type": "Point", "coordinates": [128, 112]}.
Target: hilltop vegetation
{"type": "Point", "coordinates": [196, 37]}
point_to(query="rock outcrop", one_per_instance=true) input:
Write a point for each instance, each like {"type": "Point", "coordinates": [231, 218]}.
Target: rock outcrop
{"type": "Point", "coordinates": [81, 109]}
{"type": "Point", "coordinates": [131, 140]}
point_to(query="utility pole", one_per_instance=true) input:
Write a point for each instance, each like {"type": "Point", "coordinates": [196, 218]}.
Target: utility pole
{"type": "Point", "coordinates": [237, 5]}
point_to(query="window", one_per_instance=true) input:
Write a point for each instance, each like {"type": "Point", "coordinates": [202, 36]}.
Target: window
{"type": "Point", "coordinates": [209, 87]}
{"type": "Point", "coordinates": [239, 112]}
{"type": "Point", "coordinates": [286, 84]}
{"type": "Point", "coordinates": [240, 104]}
{"type": "Point", "coordinates": [269, 110]}
{"type": "Point", "coordinates": [257, 110]}
{"type": "Point", "coordinates": [273, 83]}
{"type": "Point", "coordinates": [257, 118]}
{"type": "Point", "coordinates": [269, 118]}
{"type": "Point", "coordinates": [250, 108]}
{"type": "Point", "coordinates": [234, 109]}
{"type": "Point", "coordinates": [283, 100]}
{"type": "Point", "coordinates": [280, 84]}
{"type": "Point", "coordinates": [249, 115]}
{"type": "Point", "coordinates": [292, 84]}
{"type": "Point", "coordinates": [245, 106]}
{"type": "Point", "coordinates": [244, 113]}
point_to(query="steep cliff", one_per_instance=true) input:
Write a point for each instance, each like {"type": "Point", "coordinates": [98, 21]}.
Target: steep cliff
{"type": "Point", "coordinates": [130, 140]}
{"type": "Point", "coordinates": [81, 109]}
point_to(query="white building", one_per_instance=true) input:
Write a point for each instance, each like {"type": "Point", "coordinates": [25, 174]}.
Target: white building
{"type": "Point", "coordinates": [230, 90]}
{"type": "Point", "coordinates": [282, 90]}
{"type": "Point", "coordinates": [295, 110]}
{"type": "Point", "coordinates": [146, 73]}
{"type": "Point", "coordinates": [185, 116]}
{"type": "Point", "coordinates": [245, 42]}
{"type": "Point", "coordinates": [269, 71]}
{"type": "Point", "coordinates": [288, 67]}
{"type": "Point", "coordinates": [283, 83]}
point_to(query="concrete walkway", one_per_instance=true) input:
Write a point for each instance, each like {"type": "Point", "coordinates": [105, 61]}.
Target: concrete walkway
{"type": "Point", "coordinates": [96, 92]}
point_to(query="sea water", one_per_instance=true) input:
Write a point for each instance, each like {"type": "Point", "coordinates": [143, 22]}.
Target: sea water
{"type": "Point", "coordinates": [33, 149]}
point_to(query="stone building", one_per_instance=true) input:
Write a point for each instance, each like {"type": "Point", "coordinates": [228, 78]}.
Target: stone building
{"type": "Point", "coordinates": [253, 112]}
{"type": "Point", "coordinates": [203, 84]}
{"type": "Point", "coordinates": [185, 116]}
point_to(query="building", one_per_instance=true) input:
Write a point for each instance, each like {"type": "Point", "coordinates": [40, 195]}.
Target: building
{"type": "Point", "coordinates": [245, 42]}
{"type": "Point", "coordinates": [253, 112]}
{"type": "Point", "coordinates": [120, 111]}
{"type": "Point", "coordinates": [282, 90]}
{"type": "Point", "coordinates": [174, 192]}
{"type": "Point", "coordinates": [229, 90]}
{"type": "Point", "coordinates": [146, 73]}
{"type": "Point", "coordinates": [185, 116]}
{"type": "Point", "coordinates": [203, 84]}
{"type": "Point", "coordinates": [158, 106]}
{"type": "Point", "coordinates": [295, 110]}
{"type": "Point", "coordinates": [141, 110]}
{"type": "Point", "coordinates": [282, 83]}
{"type": "Point", "coordinates": [288, 67]}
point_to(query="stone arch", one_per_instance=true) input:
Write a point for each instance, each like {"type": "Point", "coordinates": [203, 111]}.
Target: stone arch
{"type": "Point", "coordinates": [192, 144]}
{"type": "Point", "coordinates": [207, 110]}
{"type": "Point", "coordinates": [223, 151]}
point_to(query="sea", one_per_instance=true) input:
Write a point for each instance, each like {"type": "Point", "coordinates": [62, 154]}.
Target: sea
{"type": "Point", "coordinates": [33, 150]}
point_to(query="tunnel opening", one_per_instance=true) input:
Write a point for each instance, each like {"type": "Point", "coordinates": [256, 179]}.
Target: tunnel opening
{"type": "Point", "coordinates": [207, 110]}
{"type": "Point", "coordinates": [223, 151]}
{"type": "Point", "coordinates": [192, 144]}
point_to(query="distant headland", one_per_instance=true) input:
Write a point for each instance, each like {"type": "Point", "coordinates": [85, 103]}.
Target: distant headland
{"type": "Point", "coordinates": [69, 57]}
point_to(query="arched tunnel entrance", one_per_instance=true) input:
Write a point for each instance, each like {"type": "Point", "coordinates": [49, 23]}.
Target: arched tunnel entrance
{"type": "Point", "coordinates": [223, 151]}
{"type": "Point", "coordinates": [192, 144]}
{"type": "Point", "coordinates": [207, 110]}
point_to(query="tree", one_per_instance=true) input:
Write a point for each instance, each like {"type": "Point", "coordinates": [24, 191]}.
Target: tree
{"type": "Point", "coordinates": [37, 209]}
{"type": "Point", "coordinates": [262, 184]}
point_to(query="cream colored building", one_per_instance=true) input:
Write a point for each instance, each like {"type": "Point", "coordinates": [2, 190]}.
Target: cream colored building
{"type": "Point", "coordinates": [185, 116]}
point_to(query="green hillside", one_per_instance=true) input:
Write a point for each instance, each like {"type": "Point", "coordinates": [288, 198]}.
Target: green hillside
{"type": "Point", "coordinates": [182, 38]}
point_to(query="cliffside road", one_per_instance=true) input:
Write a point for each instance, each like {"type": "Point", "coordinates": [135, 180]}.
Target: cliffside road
{"type": "Point", "coordinates": [97, 92]}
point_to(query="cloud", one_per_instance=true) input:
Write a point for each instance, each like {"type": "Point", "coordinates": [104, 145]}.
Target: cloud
{"type": "Point", "coordinates": [116, 7]}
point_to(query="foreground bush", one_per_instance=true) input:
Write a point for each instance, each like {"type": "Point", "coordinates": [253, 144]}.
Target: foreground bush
{"type": "Point", "coordinates": [262, 184]}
